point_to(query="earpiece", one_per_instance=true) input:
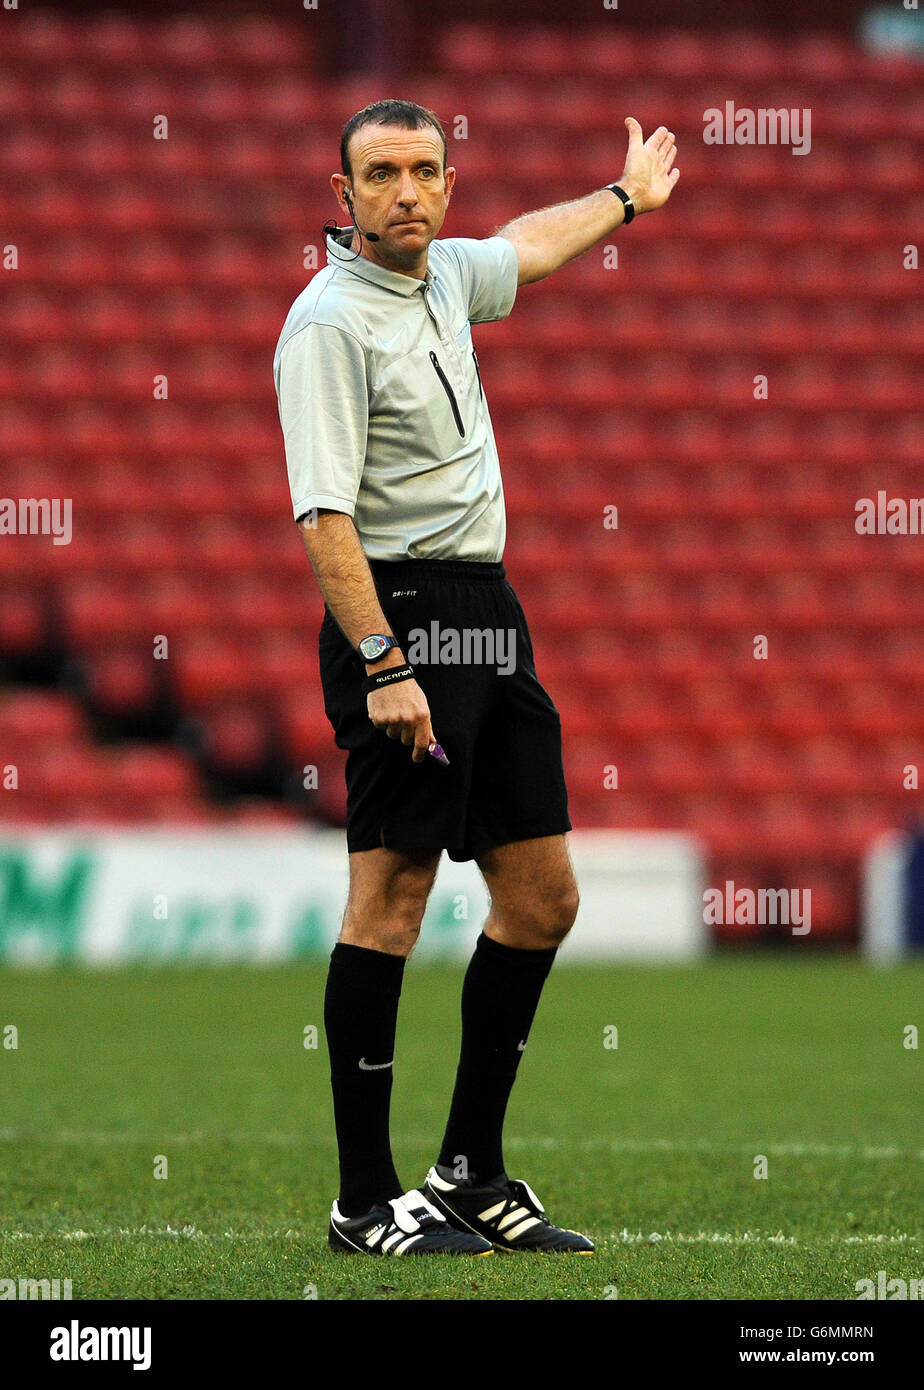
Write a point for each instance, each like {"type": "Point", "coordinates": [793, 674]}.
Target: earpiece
{"type": "Point", "coordinates": [370, 236]}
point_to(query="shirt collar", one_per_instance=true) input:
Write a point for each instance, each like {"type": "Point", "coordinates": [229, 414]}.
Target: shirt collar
{"type": "Point", "coordinates": [368, 270]}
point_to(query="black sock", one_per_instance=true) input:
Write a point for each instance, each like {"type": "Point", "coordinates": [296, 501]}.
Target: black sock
{"type": "Point", "coordinates": [500, 995]}
{"type": "Point", "coordinates": [360, 1016]}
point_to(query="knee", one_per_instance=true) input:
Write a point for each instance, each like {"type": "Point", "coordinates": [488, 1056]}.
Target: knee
{"type": "Point", "coordinates": [563, 911]}
{"type": "Point", "coordinates": [393, 926]}
{"type": "Point", "coordinates": [543, 924]}
{"type": "Point", "coordinates": [395, 938]}
{"type": "Point", "coordinates": [402, 910]}
{"type": "Point", "coordinates": [389, 918]}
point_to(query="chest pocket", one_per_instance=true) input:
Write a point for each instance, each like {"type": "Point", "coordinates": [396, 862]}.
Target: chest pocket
{"type": "Point", "coordinates": [448, 387]}
{"type": "Point", "coordinates": [422, 405]}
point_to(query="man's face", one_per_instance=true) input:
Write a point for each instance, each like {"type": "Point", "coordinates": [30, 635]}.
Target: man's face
{"type": "Point", "coordinates": [399, 190]}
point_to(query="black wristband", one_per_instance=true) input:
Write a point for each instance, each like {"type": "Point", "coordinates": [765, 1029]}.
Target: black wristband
{"type": "Point", "coordinates": [390, 677]}
{"type": "Point", "coordinates": [626, 200]}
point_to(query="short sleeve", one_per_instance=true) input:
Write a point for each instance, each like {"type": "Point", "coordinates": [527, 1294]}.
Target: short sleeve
{"type": "Point", "coordinates": [490, 271]}
{"type": "Point", "coordinates": [324, 411]}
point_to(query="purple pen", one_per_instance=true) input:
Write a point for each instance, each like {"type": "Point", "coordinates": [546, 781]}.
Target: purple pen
{"type": "Point", "coordinates": [436, 752]}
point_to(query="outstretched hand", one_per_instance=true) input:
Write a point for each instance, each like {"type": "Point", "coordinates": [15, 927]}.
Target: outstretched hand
{"type": "Point", "coordinates": [648, 176]}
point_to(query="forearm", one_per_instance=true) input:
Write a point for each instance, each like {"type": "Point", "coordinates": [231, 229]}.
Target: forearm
{"type": "Point", "coordinates": [553, 236]}
{"type": "Point", "coordinates": [548, 239]}
{"type": "Point", "coordinates": [345, 580]}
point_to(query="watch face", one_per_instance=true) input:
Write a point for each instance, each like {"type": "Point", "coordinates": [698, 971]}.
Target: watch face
{"type": "Point", "coordinates": [371, 647]}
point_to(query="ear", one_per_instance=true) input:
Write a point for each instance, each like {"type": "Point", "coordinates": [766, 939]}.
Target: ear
{"type": "Point", "coordinates": [340, 183]}
{"type": "Point", "coordinates": [449, 178]}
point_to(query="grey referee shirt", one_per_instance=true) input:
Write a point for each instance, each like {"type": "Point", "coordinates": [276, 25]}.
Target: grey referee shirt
{"type": "Point", "coordinates": [381, 403]}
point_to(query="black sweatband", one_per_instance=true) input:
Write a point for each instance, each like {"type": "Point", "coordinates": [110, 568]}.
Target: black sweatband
{"type": "Point", "coordinates": [396, 673]}
{"type": "Point", "coordinates": [626, 201]}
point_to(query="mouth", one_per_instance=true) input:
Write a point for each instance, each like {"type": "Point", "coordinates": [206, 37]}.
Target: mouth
{"type": "Point", "coordinates": [414, 222]}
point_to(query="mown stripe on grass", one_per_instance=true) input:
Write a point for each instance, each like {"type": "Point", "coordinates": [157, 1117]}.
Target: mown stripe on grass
{"type": "Point", "coordinates": [623, 1237]}
{"type": "Point", "coordinates": [779, 1149]}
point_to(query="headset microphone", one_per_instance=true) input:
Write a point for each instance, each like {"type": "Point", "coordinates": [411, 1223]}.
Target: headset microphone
{"type": "Point", "coordinates": [370, 236]}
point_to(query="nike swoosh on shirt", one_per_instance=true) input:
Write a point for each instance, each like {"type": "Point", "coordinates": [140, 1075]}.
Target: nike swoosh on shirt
{"type": "Point", "coordinates": [374, 1066]}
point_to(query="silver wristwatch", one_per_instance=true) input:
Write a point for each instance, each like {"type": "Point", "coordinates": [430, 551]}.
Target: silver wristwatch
{"type": "Point", "coordinates": [373, 648]}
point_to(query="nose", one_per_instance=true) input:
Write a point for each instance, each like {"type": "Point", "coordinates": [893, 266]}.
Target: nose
{"type": "Point", "coordinates": [407, 194]}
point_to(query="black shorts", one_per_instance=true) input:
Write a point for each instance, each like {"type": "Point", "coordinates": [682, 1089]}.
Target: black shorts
{"type": "Point", "coordinates": [501, 732]}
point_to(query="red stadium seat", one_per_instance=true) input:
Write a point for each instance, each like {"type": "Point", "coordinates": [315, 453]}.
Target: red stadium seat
{"type": "Point", "coordinates": [236, 738]}
{"type": "Point", "coordinates": [629, 386]}
{"type": "Point", "coordinates": [123, 682]}
{"type": "Point", "coordinates": [206, 671]}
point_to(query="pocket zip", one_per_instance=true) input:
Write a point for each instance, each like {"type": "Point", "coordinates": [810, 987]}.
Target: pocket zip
{"type": "Point", "coordinates": [449, 392]}
{"type": "Point", "coordinates": [478, 373]}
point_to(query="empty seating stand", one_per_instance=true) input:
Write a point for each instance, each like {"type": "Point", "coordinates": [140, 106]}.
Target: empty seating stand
{"type": "Point", "coordinates": [136, 342]}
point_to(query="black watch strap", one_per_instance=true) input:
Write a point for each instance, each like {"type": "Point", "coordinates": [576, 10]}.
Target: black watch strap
{"type": "Point", "coordinates": [625, 199]}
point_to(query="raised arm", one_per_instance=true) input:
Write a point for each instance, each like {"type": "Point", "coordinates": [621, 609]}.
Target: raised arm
{"type": "Point", "coordinates": [549, 238]}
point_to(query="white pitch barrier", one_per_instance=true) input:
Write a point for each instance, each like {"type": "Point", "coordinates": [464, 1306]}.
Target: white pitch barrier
{"type": "Point", "coordinates": [888, 885]}
{"type": "Point", "coordinates": [113, 896]}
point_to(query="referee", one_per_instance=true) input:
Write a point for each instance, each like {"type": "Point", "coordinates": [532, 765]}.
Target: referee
{"type": "Point", "coordinates": [426, 659]}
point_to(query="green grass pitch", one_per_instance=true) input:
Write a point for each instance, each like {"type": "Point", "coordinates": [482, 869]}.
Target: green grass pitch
{"type": "Point", "coordinates": [651, 1147]}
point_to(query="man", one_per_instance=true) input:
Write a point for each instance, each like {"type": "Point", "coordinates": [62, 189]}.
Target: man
{"type": "Point", "coordinates": [397, 491]}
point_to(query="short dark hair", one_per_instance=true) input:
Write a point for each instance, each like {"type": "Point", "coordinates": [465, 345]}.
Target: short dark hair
{"type": "Point", "coordinates": [405, 114]}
